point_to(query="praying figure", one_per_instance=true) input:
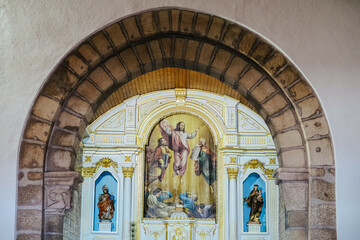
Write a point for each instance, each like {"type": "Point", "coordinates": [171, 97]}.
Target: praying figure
{"type": "Point", "coordinates": [177, 139]}
{"type": "Point", "coordinates": [106, 205]}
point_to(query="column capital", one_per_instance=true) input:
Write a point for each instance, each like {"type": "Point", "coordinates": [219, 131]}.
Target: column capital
{"type": "Point", "coordinates": [232, 172]}
{"type": "Point", "coordinates": [291, 174]}
{"type": "Point", "coordinates": [128, 171]}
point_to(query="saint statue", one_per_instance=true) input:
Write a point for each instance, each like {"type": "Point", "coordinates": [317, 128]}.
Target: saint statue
{"type": "Point", "coordinates": [177, 139]}
{"type": "Point", "coordinates": [106, 205]}
{"type": "Point", "coordinates": [255, 202]}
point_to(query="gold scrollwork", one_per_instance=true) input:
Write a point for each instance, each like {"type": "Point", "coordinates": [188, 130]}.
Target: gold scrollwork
{"type": "Point", "coordinates": [127, 158]}
{"type": "Point", "coordinates": [232, 172]}
{"type": "Point", "coordinates": [233, 160]}
{"type": "Point", "coordinates": [272, 160]}
{"type": "Point", "coordinates": [180, 94]}
{"type": "Point", "coordinates": [87, 158]}
{"type": "Point", "coordinates": [88, 171]}
{"type": "Point", "coordinates": [257, 164]}
{"type": "Point", "coordinates": [106, 163]}
{"type": "Point", "coordinates": [128, 171]}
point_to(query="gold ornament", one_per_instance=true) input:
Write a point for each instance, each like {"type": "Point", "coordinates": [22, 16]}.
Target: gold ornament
{"type": "Point", "coordinates": [128, 171]}
{"type": "Point", "coordinates": [232, 172]}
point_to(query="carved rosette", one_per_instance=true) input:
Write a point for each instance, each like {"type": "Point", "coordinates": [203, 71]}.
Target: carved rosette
{"type": "Point", "coordinates": [232, 172]}
{"type": "Point", "coordinates": [128, 171]}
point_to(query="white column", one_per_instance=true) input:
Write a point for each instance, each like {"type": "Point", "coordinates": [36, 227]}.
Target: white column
{"type": "Point", "coordinates": [86, 208]}
{"type": "Point", "coordinates": [128, 173]}
{"type": "Point", "coordinates": [232, 174]}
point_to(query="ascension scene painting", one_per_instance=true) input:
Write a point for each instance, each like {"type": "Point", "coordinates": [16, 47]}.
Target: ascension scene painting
{"type": "Point", "coordinates": [180, 169]}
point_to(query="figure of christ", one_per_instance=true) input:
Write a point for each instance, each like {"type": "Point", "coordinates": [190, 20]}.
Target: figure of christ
{"type": "Point", "coordinates": [156, 207]}
{"type": "Point", "coordinates": [158, 161]}
{"type": "Point", "coordinates": [205, 163]}
{"type": "Point", "coordinates": [177, 139]}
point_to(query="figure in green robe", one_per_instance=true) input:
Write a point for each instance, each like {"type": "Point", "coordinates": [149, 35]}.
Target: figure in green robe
{"type": "Point", "coordinates": [205, 163]}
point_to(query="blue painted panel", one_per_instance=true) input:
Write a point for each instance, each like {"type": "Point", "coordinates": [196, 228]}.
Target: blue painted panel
{"type": "Point", "coordinates": [248, 186]}
{"type": "Point", "coordinates": [106, 178]}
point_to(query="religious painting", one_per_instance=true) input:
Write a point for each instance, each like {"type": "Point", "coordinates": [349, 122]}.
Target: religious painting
{"type": "Point", "coordinates": [180, 169]}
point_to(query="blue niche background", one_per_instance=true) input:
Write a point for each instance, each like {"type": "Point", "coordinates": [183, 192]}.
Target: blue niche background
{"type": "Point", "coordinates": [248, 186]}
{"type": "Point", "coordinates": [106, 178]}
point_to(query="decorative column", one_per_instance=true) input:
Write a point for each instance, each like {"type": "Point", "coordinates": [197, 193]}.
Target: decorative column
{"type": "Point", "coordinates": [232, 174]}
{"type": "Point", "coordinates": [128, 173]}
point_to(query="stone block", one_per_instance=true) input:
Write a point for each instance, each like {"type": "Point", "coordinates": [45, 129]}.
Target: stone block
{"type": "Point", "coordinates": [31, 156]}
{"type": "Point", "coordinates": [216, 28]}
{"type": "Point", "coordinates": [300, 90]}
{"type": "Point", "coordinates": [275, 63]}
{"type": "Point", "coordinates": [249, 79]}
{"type": "Point", "coordinates": [298, 234]}
{"type": "Point", "coordinates": [322, 190]}
{"type": "Point", "coordinates": [186, 21]}
{"type": "Point", "coordinates": [164, 20]}
{"type": "Point", "coordinates": [76, 64]}
{"type": "Point", "coordinates": [156, 50]}
{"type": "Point", "coordinates": [54, 237]}
{"type": "Point", "coordinates": [232, 35]}
{"type": "Point", "coordinates": [293, 158]}
{"type": "Point", "coordinates": [148, 23]}
{"type": "Point", "coordinates": [143, 53]}
{"type": "Point", "coordinates": [283, 121]}
{"type": "Point", "coordinates": [116, 68]}
{"type": "Point", "coordinates": [205, 54]}
{"type": "Point", "coordinates": [60, 83]}
{"type": "Point", "coordinates": [287, 76]}
{"type": "Point", "coordinates": [131, 28]}
{"type": "Point", "coordinates": [179, 47]}
{"type": "Point", "coordinates": [37, 130]}
{"type": "Point", "coordinates": [323, 234]}
{"type": "Point", "coordinates": [191, 50]}
{"type": "Point", "coordinates": [323, 215]}
{"type": "Point", "coordinates": [28, 237]}
{"type": "Point", "coordinates": [261, 52]}
{"type": "Point", "coordinates": [78, 105]}
{"type": "Point", "coordinates": [296, 219]}
{"type": "Point", "coordinates": [317, 172]}
{"type": "Point", "coordinates": [101, 78]}
{"type": "Point", "coordinates": [30, 195]}
{"type": "Point", "coordinates": [289, 139]}
{"type": "Point", "coordinates": [275, 104]}
{"type": "Point", "coordinates": [247, 42]}
{"type": "Point", "coordinates": [235, 69]}
{"type": "Point", "coordinates": [89, 53]}
{"type": "Point", "coordinates": [221, 59]}
{"type": "Point", "coordinates": [317, 126]}
{"type": "Point", "coordinates": [321, 153]}
{"type": "Point", "coordinates": [45, 108]}
{"type": "Point", "coordinates": [309, 107]}
{"type": "Point", "coordinates": [175, 19]}
{"type": "Point", "coordinates": [166, 46]}
{"type": "Point", "coordinates": [88, 91]}
{"type": "Point", "coordinates": [116, 35]}
{"type": "Point", "coordinates": [60, 160]}
{"type": "Point", "coordinates": [33, 176]}
{"type": "Point", "coordinates": [263, 90]}
{"type": "Point", "coordinates": [102, 44]}
{"type": "Point", "coordinates": [332, 171]}
{"type": "Point", "coordinates": [295, 195]}
{"type": "Point", "coordinates": [29, 220]}
{"type": "Point", "coordinates": [63, 138]}
{"type": "Point", "coordinates": [201, 24]}
{"type": "Point", "coordinates": [69, 121]}
{"type": "Point", "coordinates": [130, 59]}
{"type": "Point", "coordinates": [54, 223]}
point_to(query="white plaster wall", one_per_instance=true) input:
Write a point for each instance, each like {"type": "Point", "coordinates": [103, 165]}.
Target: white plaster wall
{"type": "Point", "coordinates": [321, 37]}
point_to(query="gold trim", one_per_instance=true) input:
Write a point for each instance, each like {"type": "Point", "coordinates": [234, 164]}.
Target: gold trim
{"type": "Point", "coordinates": [128, 171]}
{"type": "Point", "coordinates": [87, 158]}
{"type": "Point", "coordinates": [127, 158]}
{"type": "Point", "coordinates": [254, 163]}
{"type": "Point", "coordinates": [233, 160]}
{"type": "Point", "coordinates": [232, 172]}
{"type": "Point", "coordinates": [88, 171]}
{"type": "Point", "coordinates": [272, 160]}
{"type": "Point", "coordinates": [106, 163]}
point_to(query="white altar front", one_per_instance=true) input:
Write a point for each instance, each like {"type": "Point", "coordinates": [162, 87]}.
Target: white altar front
{"type": "Point", "coordinates": [114, 152]}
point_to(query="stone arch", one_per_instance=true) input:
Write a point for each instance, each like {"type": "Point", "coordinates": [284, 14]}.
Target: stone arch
{"type": "Point", "coordinates": [150, 51]}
